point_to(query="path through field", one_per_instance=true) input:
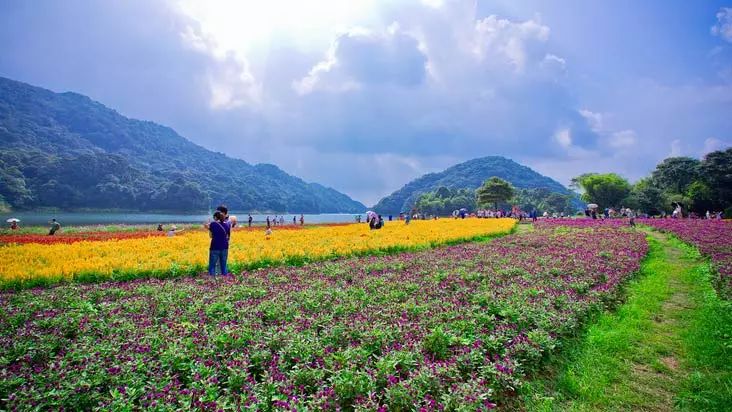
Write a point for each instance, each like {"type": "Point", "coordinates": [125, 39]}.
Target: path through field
{"type": "Point", "coordinates": [669, 347]}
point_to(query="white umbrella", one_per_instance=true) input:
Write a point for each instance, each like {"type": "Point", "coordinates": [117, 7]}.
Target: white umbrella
{"type": "Point", "coordinates": [12, 219]}
{"type": "Point", "coordinates": [592, 206]}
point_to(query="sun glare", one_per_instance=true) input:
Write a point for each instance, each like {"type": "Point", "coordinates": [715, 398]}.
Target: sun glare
{"type": "Point", "coordinates": [245, 25]}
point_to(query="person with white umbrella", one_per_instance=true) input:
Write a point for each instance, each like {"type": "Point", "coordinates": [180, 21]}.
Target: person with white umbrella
{"type": "Point", "coordinates": [13, 223]}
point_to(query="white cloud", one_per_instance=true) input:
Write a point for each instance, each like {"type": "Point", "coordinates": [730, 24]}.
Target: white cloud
{"type": "Point", "coordinates": [675, 148]}
{"type": "Point", "coordinates": [232, 85]}
{"type": "Point", "coordinates": [623, 139]}
{"type": "Point", "coordinates": [595, 120]}
{"type": "Point", "coordinates": [498, 39]}
{"type": "Point", "coordinates": [554, 65]}
{"type": "Point", "coordinates": [435, 4]}
{"type": "Point", "coordinates": [723, 28]}
{"type": "Point", "coordinates": [563, 137]}
{"type": "Point", "coordinates": [713, 144]}
{"type": "Point", "coordinates": [363, 56]}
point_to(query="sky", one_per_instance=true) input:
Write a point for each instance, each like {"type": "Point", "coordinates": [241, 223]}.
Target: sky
{"type": "Point", "coordinates": [365, 95]}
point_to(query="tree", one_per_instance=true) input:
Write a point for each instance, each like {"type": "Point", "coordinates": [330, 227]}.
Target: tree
{"type": "Point", "coordinates": [607, 190]}
{"type": "Point", "coordinates": [494, 190]}
{"type": "Point", "coordinates": [440, 202]}
{"type": "Point", "coordinates": [700, 197]}
{"type": "Point", "coordinates": [557, 202]}
{"type": "Point", "coordinates": [443, 193]}
{"type": "Point", "coordinates": [647, 196]}
{"type": "Point", "coordinates": [716, 170]}
{"type": "Point", "coordinates": [675, 174]}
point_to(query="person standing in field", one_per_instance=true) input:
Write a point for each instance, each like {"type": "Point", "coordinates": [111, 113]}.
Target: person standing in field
{"type": "Point", "coordinates": [55, 227]}
{"type": "Point", "coordinates": [269, 224]}
{"type": "Point", "coordinates": [302, 219]}
{"type": "Point", "coordinates": [220, 231]}
{"type": "Point", "coordinates": [250, 220]}
{"type": "Point", "coordinates": [294, 220]}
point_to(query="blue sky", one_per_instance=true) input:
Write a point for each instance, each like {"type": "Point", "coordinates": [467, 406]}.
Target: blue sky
{"type": "Point", "coordinates": [365, 95]}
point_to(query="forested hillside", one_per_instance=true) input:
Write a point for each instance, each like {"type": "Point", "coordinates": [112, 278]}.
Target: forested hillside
{"type": "Point", "coordinates": [65, 150]}
{"type": "Point", "coordinates": [468, 175]}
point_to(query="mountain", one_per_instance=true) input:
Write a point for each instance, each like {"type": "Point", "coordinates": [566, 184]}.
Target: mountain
{"type": "Point", "coordinates": [467, 175]}
{"type": "Point", "coordinates": [65, 150]}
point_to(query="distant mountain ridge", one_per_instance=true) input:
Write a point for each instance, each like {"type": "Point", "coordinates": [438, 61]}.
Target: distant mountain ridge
{"type": "Point", "coordinates": [66, 150]}
{"type": "Point", "coordinates": [467, 175]}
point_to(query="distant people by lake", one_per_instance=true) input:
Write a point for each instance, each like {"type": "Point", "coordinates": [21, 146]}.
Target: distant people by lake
{"type": "Point", "coordinates": [294, 219]}
{"type": "Point", "coordinates": [55, 227]}
{"type": "Point", "coordinates": [269, 223]}
{"type": "Point", "coordinates": [302, 219]}
{"type": "Point", "coordinates": [160, 227]}
{"type": "Point", "coordinates": [173, 230]}
{"type": "Point", "coordinates": [250, 219]}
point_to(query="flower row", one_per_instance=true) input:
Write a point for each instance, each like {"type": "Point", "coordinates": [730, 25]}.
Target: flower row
{"type": "Point", "coordinates": [187, 253]}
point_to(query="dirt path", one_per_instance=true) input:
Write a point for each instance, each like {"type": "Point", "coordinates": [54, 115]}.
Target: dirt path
{"type": "Point", "coordinates": [655, 353]}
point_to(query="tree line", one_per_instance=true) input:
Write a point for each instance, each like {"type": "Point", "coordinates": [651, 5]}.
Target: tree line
{"type": "Point", "coordinates": [697, 185]}
{"type": "Point", "coordinates": [493, 194]}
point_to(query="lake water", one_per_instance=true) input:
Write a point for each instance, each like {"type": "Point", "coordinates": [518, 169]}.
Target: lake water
{"type": "Point", "coordinates": [78, 218]}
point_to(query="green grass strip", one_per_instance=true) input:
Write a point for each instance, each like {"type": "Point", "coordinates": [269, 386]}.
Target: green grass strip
{"type": "Point", "coordinates": [669, 347]}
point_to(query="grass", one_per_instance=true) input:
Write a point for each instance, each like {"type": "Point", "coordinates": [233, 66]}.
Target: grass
{"type": "Point", "coordinates": [668, 347]}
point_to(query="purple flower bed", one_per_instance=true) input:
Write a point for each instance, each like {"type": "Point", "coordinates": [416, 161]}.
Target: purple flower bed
{"type": "Point", "coordinates": [712, 237]}
{"type": "Point", "coordinates": [451, 327]}
{"type": "Point", "coordinates": [582, 223]}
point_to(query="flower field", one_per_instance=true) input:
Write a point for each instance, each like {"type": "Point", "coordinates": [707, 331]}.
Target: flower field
{"type": "Point", "coordinates": [581, 223]}
{"type": "Point", "coordinates": [44, 239]}
{"type": "Point", "coordinates": [160, 256]}
{"type": "Point", "coordinates": [712, 237]}
{"type": "Point", "coordinates": [450, 328]}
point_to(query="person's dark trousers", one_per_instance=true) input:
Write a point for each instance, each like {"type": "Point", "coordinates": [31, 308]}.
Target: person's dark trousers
{"type": "Point", "coordinates": [219, 256]}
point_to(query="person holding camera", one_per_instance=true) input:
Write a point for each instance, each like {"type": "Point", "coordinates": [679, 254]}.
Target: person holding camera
{"type": "Point", "coordinates": [220, 232]}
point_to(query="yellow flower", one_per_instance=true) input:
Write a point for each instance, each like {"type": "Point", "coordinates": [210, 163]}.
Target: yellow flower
{"type": "Point", "coordinates": [188, 252]}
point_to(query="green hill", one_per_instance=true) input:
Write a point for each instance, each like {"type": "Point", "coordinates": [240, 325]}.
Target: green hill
{"type": "Point", "coordinates": [67, 151]}
{"type": "Point", "coordinates": [467, 175]}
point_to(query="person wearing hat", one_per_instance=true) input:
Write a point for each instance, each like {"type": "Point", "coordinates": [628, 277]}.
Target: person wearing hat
{"type": "Point", "coordinates": [173, 230]}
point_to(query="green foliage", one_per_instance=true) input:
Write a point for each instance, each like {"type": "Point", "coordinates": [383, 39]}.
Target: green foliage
{"type": "Point", "coordinates": [437, 344]}
{"type": "Point", "coordinates": [67, 151]}
{"type": "Point", "coordinates": [467, 175]}
{"type": "Point", "coordinates": [647, 196]}
{"type": "Point", "coordinates": [444, 201]}
{"type": "Point", "coordinates": [607, 190]}
{"type": "Point", "coordinates": [675, 174]}
{"type": "Point", "coordinates": [716, 170]}
{"type": "Point", "coordinates": [697, 185]}
{"type": "Point", "coordinates": [493, 191]}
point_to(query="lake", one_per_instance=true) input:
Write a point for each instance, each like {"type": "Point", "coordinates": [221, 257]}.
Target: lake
{"type": "Point", "coordinates": [80, 218]}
